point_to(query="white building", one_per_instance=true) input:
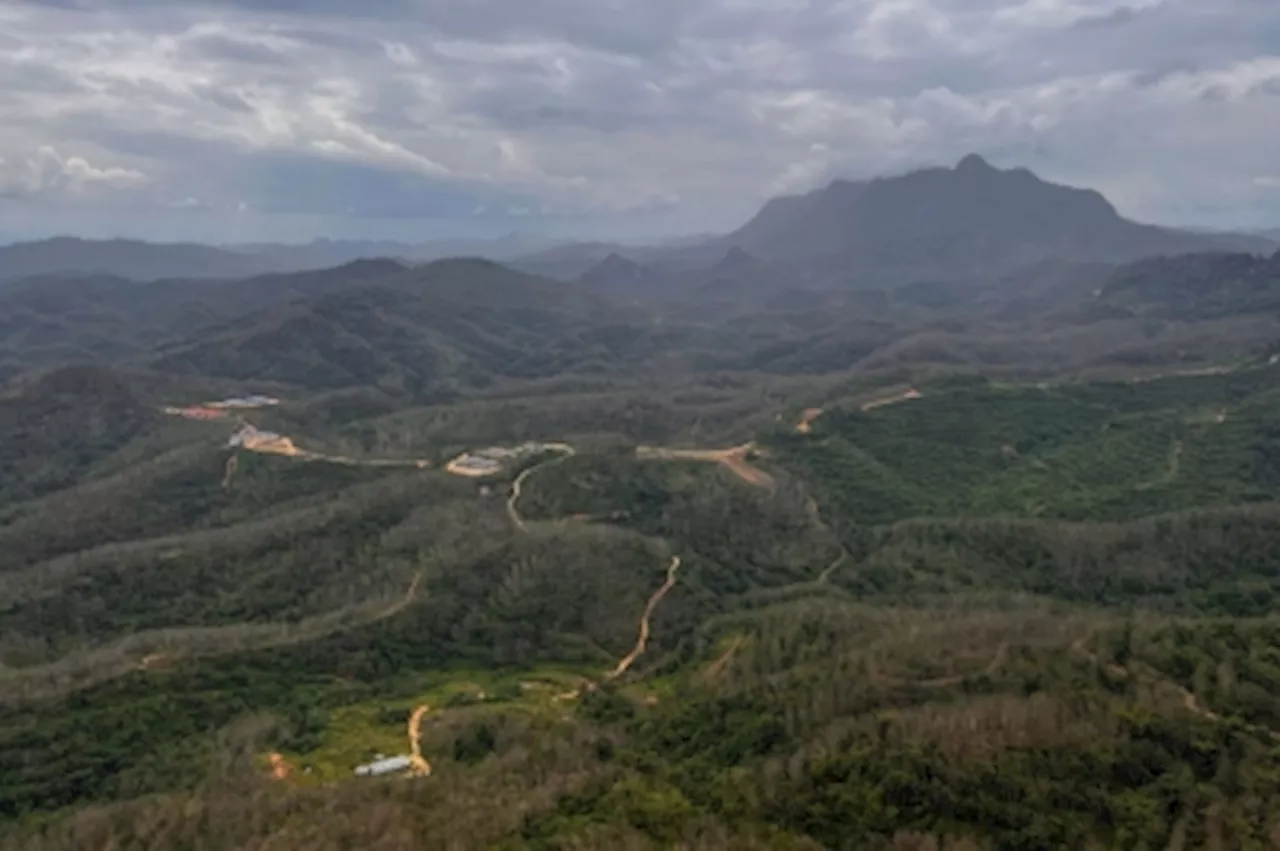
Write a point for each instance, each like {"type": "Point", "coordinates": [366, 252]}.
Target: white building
{"type": "Point", "coordinates": [387, 765]}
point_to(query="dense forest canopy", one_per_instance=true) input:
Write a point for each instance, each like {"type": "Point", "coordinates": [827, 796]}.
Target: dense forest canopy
{"type": "Point", "coordinates": [686, 552]}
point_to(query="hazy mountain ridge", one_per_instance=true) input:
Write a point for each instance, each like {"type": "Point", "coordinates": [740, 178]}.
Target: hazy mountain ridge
{"type": "Point", "coordinates": [126, 258]}
{"type": "Point", "coordinates": [140, 260]}
{"type": "Point", "coordinates": [962, 223]}
{"type": "Point", "coordinates": [423, 331]}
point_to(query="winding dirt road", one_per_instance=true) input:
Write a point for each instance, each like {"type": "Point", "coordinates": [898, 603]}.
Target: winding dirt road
{"type": "Point", "coordinates": [642, 643]}
{"type": "Point", "coordinates": [565, 450]}
{"type": "Point", "coordinates": [419, 766]}
{"type": "Point", "coordinates": [1189, 698]}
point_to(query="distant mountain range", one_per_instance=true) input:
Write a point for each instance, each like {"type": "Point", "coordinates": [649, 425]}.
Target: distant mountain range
{"type": "Point", "coordinates": [148, 261]}
{"type": "Point", "coordinates": [126, 258]}
{"type": "Point", "coordinates": [970, 223]}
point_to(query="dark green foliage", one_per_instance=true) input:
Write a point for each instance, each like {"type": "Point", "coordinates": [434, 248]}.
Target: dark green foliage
{"type": "Point", "coordinates": [53, 430]}
{"type": "Point", "coordinates": [474, 745]}
{"type": "Point", "coordinates": [1087, 452]}
{"type": "Point", "coordinates": [1197, 286]}
{"type": "Point", "coordinates": [1000, 616]}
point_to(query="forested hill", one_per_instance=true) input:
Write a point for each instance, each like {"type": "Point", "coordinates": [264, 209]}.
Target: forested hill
{"type": "Point", "coordinates": [975, 615]}
{"type": "Point", "coordinates": [705, 556]}
{"type": "Point", "coordinates": [1195, 287]}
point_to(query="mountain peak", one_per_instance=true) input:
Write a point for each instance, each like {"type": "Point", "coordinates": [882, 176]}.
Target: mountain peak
{"type": "Point", "coordinates": [961, 223]}
{"type": "Point", "coordinates": [614, 270]}
{"type": "Point", "coordinates": [371, 267]}
{"type": "Point", "coordinates": [734, 259]}
{"type": "Point", "coordinates": [974, 164]}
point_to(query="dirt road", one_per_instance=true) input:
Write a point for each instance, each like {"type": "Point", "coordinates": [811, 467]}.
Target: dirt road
{"type": "Point", "coordinates": [565, 450]}
{"type": "Point", "coordinates": [233, 464]}
{"type": "Point", "coordinates": [734, 459]}
{"type": "Point", "coordinates": [423, 768]}
{"type": "Point", "coordinates": [906, 396]}
{"type": "Point", "coordinates": [1175, 460]}
{"type": "Point", "coordinates": [825, 576]}
{"type": "Point", "coordinates": [642, 643]}
{"type": "Point", "coordinates": [1189, 698]}
{"type": "Point", "coordinates": [718, 666]}
{"type": "Point", "coordinates": [807, 416]}
{"type": "Point", "coordinates": [419, 766]}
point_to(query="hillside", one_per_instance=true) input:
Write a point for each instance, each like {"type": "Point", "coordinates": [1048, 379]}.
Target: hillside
{"type": "Point", "coordinates": [738, 560]}
{"type": "Point", "coordinates": [993, 616]}
{"type": "Point", "coordinates": [425, 333]}
{"type": "Point", "coordinates": [1197, 286]}
{"type": "Point", "coordinates": [56, 427]}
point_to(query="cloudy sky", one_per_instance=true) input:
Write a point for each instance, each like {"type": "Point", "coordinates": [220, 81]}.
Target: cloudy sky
{"type": "Point", "coordinates": [230, 120]}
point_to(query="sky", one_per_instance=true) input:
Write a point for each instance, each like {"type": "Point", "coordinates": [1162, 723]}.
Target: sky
{"type": "Point", "coordinates": [250, 120]}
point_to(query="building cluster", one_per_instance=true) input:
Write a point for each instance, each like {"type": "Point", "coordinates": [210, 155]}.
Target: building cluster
{"type": "Point", "coordinates": [491, 461]}
{"type": "Point", "coordinates": [197, 412]}
{"type": "Point", "coordinates": [245, 402]}
{"type": "Point", "coordinates": [219, 410]}
{"type": "Point", "coordinates": [257, 440]}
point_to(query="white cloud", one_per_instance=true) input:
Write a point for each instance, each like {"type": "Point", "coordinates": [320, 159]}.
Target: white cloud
{"type": "Point", "coordinates": [599, 108]}
{"type": "Point", "coordinates": [47, 172]}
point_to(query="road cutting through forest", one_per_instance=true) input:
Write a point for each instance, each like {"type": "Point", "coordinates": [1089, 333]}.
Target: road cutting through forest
{"type": "Point", "coordinates": [418, 765]}
{"type": "Point", "coordinates": [1189, 699]}
{"type": "Point", "coordinates": [807, 417]}
{"type": "Point", "coordinates": [565, 450]}
{"type": "Point", "coordinates": [718, 666]}
{"type": "Point", "coordinates": [284, 445]}
{"type": "Point", "coordinates": [905, 396]}
{"type": "Point", "coordinates": [734, 459]}
{"type": "Point", "coordinates": [642, 643]}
